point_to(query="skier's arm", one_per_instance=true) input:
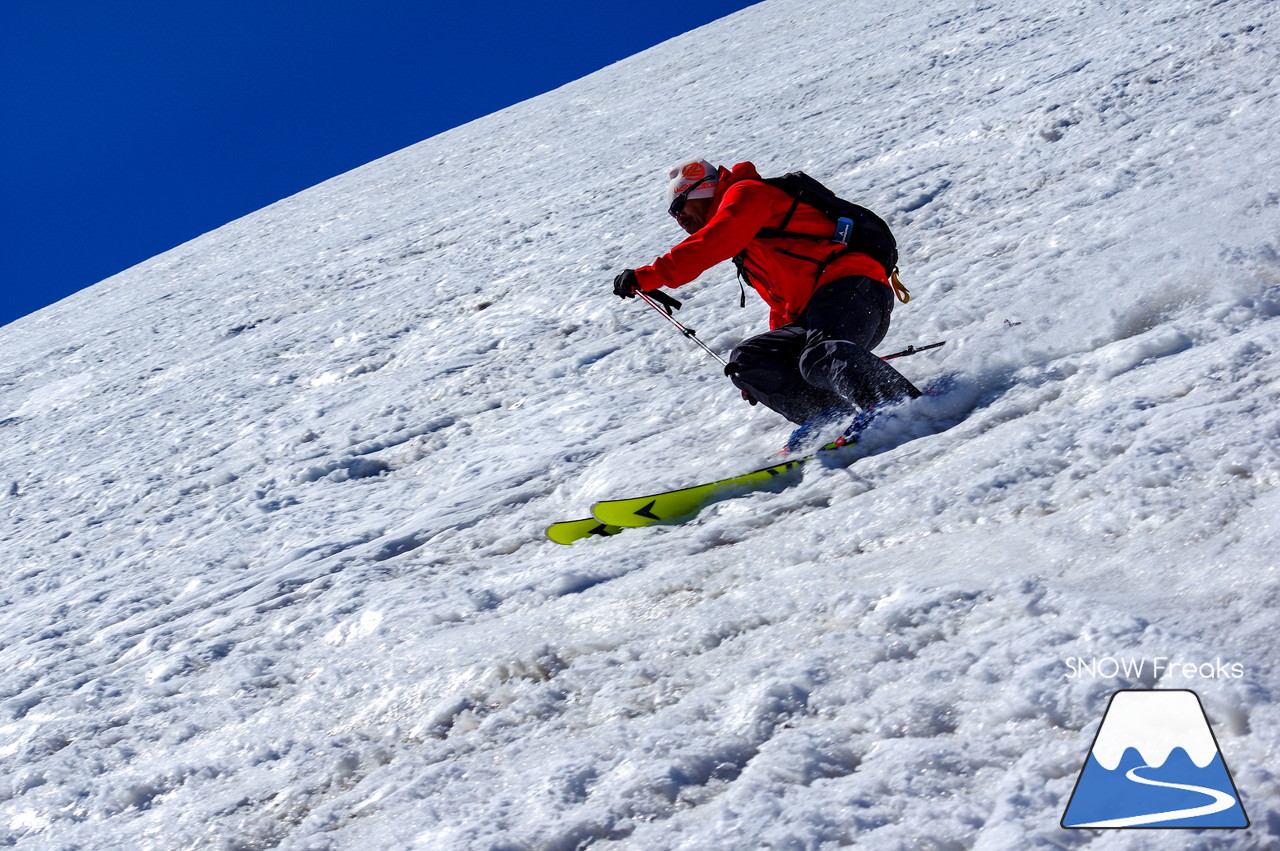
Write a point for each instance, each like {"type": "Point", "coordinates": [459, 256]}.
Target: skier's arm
{"type": "Point", "coordinates": [744, 210]}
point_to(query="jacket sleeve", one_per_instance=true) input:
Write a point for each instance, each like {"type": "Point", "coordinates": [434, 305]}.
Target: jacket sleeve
{"type": "Point", "coordinates": [743, 211]}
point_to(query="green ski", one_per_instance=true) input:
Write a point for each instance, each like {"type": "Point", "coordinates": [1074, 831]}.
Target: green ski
{"type": "Point", "coordinates": [686, 502]}
{"type": "Point", "coordinates": [611, 516]}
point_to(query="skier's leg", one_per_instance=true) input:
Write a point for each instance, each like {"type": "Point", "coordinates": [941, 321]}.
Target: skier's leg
{"type": "Point", "coordinates": [846, 319]}
{"type": "Point", "coordinates": [854, 374]}
{"type": "Point", "coordinates": [766, 368]}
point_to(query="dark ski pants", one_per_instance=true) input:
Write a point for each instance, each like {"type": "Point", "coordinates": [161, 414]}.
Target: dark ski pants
{"type": "Point", "coordinates": [823, 359]}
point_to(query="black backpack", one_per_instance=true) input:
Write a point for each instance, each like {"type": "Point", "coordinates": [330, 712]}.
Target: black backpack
{"type": "Point", "coordinates": [870, 235]}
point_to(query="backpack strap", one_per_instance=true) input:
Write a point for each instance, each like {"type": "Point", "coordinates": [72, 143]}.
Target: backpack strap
{"type": "Point", "coordinates": [740, 263]}
{"type": "Point", "coordinates": [791, 211]}
{"type": "Point", "coordinates": [781, 232]}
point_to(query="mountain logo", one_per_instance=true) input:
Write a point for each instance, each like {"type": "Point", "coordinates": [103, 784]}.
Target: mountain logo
{"type": "Point", "coordinates": [1155, 763]}
{"type": "Point", "coordinates": [694, 171]}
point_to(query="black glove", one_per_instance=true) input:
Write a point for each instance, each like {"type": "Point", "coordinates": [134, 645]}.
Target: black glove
{"type": "Point", "coordinates": [626, 285]}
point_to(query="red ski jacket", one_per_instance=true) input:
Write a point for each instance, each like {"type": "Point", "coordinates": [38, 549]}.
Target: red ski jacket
{"type": "Point", "coordinates": [784, 271]}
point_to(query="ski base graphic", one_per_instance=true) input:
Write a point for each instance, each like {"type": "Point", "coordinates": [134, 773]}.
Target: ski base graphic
{"type": "Point", "coordinates": [568, 531]}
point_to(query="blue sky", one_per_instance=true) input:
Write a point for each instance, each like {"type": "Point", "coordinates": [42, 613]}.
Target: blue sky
{"type": "Point", "coordinates": [131, 127]}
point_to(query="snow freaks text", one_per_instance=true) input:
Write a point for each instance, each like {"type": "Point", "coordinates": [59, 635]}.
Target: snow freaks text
{"type": "Point", "coordinates": [1159, 667]}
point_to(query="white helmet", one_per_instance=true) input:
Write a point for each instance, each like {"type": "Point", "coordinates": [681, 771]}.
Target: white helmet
{"type": "Point", "coordinates": [692, 179]}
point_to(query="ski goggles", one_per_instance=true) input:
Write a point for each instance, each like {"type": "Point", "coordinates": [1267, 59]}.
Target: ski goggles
{"type": "Point", "coordinates": [678, 202]}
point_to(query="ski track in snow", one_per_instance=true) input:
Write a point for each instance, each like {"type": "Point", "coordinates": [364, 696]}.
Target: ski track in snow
{"type": "Point", "coordinates": [272, 502]}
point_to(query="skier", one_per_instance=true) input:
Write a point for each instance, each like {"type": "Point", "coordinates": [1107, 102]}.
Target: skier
{"type": "Point", "coordinates": [826, 312]}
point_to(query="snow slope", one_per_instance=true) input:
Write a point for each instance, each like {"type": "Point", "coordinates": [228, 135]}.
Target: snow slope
{"type": "Point", "coordinates": [272, 503]}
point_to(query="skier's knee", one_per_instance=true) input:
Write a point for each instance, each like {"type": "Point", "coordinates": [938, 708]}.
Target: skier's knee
{"type": "Point", "coordinates": [817, 363]}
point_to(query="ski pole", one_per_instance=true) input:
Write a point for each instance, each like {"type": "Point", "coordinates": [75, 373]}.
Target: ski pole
{"type": "Point", "coordinates": [912, 350]}
{"type": "Point", "coordinates": [666, 314]}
